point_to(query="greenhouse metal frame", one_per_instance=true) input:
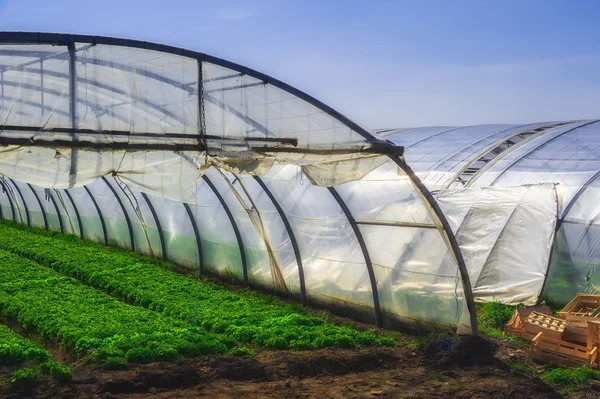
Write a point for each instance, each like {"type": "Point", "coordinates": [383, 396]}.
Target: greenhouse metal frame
{"type": "Point", "coordinates": [53, 85]}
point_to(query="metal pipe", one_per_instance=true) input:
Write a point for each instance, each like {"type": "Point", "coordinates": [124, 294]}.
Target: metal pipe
{"type": "Point", "coordinates": [127, 219]}
{"type": "Point", "coordinates": [41, 206]}
{"type": "Point", "coordinates": [163, 244]}
{"type": "Point", "coordinates": [288, 228]}
{"type": "Point", "coordinates": [365, 252]}
{"type": "Point", "coordinates": [81, 235]}
{"type": "Point", "coordinates": [197, 235]}
{"type": "Point", "coordinates": [100, 216]}
{"type": "Point", "coordinates": [236, 230]}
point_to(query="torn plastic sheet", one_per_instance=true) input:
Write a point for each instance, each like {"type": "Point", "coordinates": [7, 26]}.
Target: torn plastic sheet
{"type": "Point", "coordinates": [169, 174]}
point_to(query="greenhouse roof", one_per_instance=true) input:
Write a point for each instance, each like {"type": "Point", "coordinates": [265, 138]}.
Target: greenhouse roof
{"type": "Point", "coordinates": [180, 144]}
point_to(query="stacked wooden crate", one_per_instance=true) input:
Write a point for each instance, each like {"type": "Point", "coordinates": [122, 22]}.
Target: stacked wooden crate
{"type": "Point", "coordinates": [515, 326]}
{"type": "Point", "coordinates": [571, 339]}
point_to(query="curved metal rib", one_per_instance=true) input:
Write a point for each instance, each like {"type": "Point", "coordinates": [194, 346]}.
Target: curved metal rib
{"type": "Point", "coordinates": [497, 151]}
{"type": "Point", "coordinates": [236, 230]}
{"type": "Point", "coordinates": [365, 252]}
{"type": "Point", "coordinates": [288, 228]}
{"type": "Point", "coordinates": [197, 235]}
{"type": "Point", "coordinates": [100, 216]}
{"type": "Point", "coordinates": [453, 244]}
{"type": "Point", "coordinates": [163, 244]}
{"type": "Point", "coordinates": [541, 145]}
{"type": "Point", "coordinates": [125, 214]}
{"type": "Point", "coordinates": [22, 200]}
{"type": "Point", "coordinates": [482, 154]}
{"type": "Point", "coordinates": [77, 215]}
{"type": "Point", "coordinates": [10, 201]}
{"type": "Point", "coordinates": [41, 206]}
{"type": "Point", "coordinates": [58, 214]}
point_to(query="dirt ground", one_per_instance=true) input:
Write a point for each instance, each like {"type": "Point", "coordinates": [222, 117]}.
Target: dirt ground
{"type": "Point", "coordinates": [474, 369]}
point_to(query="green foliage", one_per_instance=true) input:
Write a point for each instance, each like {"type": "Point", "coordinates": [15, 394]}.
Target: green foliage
{"type": "Point", "coordinates": [24, 376]}
{"type": "Point", "coordinates": [524, 369]}
{"type": "Point", "coordinates": [15, 349]}
{"type": "Point", "coordinates": [241, 351]}
{"type": "Point", "coordinates": [570, 377]}
{"type": "Point", "coordinates": [492, 316]}
{"type": "Point", "coordinates": [61, 372]}
{"type": "Point", "coordinates": [115, 363]}
{"type": "Point", "coordinates": [80, 317]}
{"type": "Point", "coordinates": [237, 316]}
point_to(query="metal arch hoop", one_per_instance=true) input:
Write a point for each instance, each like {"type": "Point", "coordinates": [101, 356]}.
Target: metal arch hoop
{"type": "Point", "coordinates": [58, 214]}
{"type": "Point", "coordinates": [365, 252]}
{"type": "Point", "coordinates": [41, 206]}
{"type": "Point", "coordinates": [77, 215]}
{"type": "Point", "coordinates": [236, 230]}
{"type": "Point", "coordinates": [163, 244]}
{"type": "Point", "coordinates": [125, 214]}
{"type": "Point", "coordinates": [462, 268]}
{"type": "Point", "coordinates": [538, 147]}
{"type": "Point", "coordinates": [12, 206]}
{"type": "Point", "coordinates": [22, 200]}
{"type": "Point", "coordinates": [67, 39]}
{"type": "Point", "coordinates": [104, 232]}
{"type": "Point", "coordinates": [197, 236]}
{"type": "Point", "coordinates": [291, 235]}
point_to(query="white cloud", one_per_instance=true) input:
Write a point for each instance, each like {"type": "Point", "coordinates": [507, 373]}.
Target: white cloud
{"type": "Point", "coordinates": [233, 14]}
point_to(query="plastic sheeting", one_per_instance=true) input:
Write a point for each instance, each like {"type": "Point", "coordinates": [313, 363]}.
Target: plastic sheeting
{"type": "Point", "coordinates": [505, 235]}
{"type": "Point", "coordinates": [153, 148]}
{"type": "Point", "coordinates": [566, 154]}
{"type": "Point", "coordinates": [75, 111]}
{"type": "Point", "coordinates": [417, 281]}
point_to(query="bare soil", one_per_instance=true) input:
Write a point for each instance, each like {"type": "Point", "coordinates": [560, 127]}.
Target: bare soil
{"type": "Point", "coordinates": [476, 368]}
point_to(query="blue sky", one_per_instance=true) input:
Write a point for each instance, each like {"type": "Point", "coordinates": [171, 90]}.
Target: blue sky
{"type": "Point", "coordinates": [381, 63]}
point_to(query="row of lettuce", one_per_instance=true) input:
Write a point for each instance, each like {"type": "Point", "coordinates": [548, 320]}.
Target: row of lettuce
{"type": "Point", "coordinates": [16, 351]}
{"type": "Point", "coordinates": [119, 307]}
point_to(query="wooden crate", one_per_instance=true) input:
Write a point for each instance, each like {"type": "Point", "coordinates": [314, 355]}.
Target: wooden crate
{"type": "Point", "coordinates": [552, 327]}
{"type": "Point", "coordinates": [515, 326]}
{"type": "Point", "coordinates": [561, 352]}
{"type": "Point", "coordinates": [583, 307]}
{"type": "Point", "coordinates": [576, 332]}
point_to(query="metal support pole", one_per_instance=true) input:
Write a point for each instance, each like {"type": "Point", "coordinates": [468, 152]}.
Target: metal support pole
{"type": "Point", "coordinates": [127, 219]}
{"type": "Point", "coordinates": [81, 235]}
{"type": "Point", "coordinates": [365, 251]}
{"type": "Point", "coordinates": [60, 221]}
{"type": "Point", "coordinates": [197, 235]}
{"type": "Point", "coordinates": [163, 244]}
{"type": "Point", "coordinates": [454, 247]}
{"type": "Point", "coordinates": [105, 233]}
{"type": "Point", "coordinates": [236, 230]}
{"type": "Point", "coordinates": [39, 201]}
{"type": "Point", "coordinates": [24, 203]}
{"type": "Point", "coordinates": [10, 201]}
{"type": "Point", "coordinates": [73, 112]}
{"type": "Point", "coordinates": [291, 235]}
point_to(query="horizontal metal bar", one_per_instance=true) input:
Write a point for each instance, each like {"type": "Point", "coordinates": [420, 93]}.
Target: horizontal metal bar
{"type": "Point", "coordinates": [396, 224]}
{"type": "Point", "coordinates": [64, 39]}
{"type": "Point", "coordinates": [229, 88]}
{"type": "Point", "coordinates": [235, 75]}
{"type": "Point", "coordinates": [39, 129]}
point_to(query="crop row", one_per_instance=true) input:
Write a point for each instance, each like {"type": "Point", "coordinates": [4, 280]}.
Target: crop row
{"type": "Point", "coordinates": [16, 351]}
{"type": "Point", "coordinates": [61, 309]}
{"type": "Point", "coordinates": [244, 316]}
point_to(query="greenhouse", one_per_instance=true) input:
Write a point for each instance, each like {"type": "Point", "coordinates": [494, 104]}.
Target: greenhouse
{"type": "Point", "coordinates": [560, 161]}
{"type": "Point", "coordinates": [226, 171]}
